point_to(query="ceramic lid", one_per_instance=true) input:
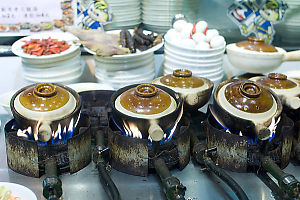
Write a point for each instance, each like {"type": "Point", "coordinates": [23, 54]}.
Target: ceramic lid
{"type": "Point", "coordinates": [256, 44]}
{"type": "Point", "coordinates": [277, 81]}
{"type": "Point", "coordinates": [44, 97]}
{"type": "Point", "coordinates": [182, 78]}
{"type": "Point", "coordinates": [248, 97]}
{"type": "Point", "coordinates": [145, 99]}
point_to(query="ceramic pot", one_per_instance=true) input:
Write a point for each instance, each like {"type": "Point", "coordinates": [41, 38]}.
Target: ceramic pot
{"type": "Point", "coordinates": [287, 89]}
{"type": "Point", "coordinates": [195, 91]}
{"type": "Point", "coordinates": [152, 109]}
{"type": "Point", "coordinates": [247, 108]}
{"type": "Point", "coordinates": [43, 107]}
{"type": "Point", "coordinates": [256, 57]}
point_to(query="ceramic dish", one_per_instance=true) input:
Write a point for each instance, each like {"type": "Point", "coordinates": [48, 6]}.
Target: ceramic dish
{"type": "Point", "coordinates": [17, 46]}
{"type": "Point", "coordinates": [81, 87]}
{"type": "Point", "coordinates": [20, 191]}
{"type": "Point", "coordinates": [138, 53]}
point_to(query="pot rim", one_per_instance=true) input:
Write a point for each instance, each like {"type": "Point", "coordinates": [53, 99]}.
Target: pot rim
{"type": "Point", "coordinates": [172, 93]}
{"type": "Point", "coordinates": [73, 92]}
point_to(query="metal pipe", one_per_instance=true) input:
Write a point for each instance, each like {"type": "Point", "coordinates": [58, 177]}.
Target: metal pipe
{"type": "Point", "coordinates": [173, 189]}
{"type": "Point", "coordinates": [52, 185]}
{"type": "Point", "coordinates": [287, 182]}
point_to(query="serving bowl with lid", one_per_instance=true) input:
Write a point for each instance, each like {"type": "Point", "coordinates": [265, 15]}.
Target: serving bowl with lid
{"type": "Point", "coordinates": [257, 57]}
{"type": "Point", "coordinates": [288, 89]}
{"type": "Point", "coordinates": [195, 91]}
{"type": "Point", "coordinates": [247, 108]}
{"type": "Point", "coordinates": [152, 109]}
{"type": "Point", "coordinates": [43, 107]}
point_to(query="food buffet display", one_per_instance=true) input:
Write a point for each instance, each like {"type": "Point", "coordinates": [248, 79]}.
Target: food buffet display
{"type": "Point", "coordinates": [143, 124]}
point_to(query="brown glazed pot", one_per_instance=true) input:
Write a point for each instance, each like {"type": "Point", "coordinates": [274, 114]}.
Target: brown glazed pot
{"type": "Point", "coordinates": [246, 107]}
{"type": "Point", "coordinates": [195, 91]}
{"type": "Point", "coordinates": [152, 108]}
{"type": "Point", "coordinates": [288, 89]}
{"type": "Point", "coordinates": [43, 106]}
{"type": "Point", "coordinates": [256, 44]}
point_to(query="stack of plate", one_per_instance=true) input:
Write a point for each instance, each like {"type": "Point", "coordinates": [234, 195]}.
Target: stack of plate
{"type": "Point", "coordinates": [157, 15]}
{"type": "Point", "coordinates": [125, 14]}
{"type": "Point", "coordinates": [289, 30]}
{"type": "Point", "coordinates": [121, 70]}
{"type": "Point", "coordinates": [202, 63]}
{"type": "Point", "coordinates": [64, 67]}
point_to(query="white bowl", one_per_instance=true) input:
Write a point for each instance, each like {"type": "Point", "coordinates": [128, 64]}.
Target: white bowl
{"type": "Point", "coordinates": [199, 66]}
{"type": "Point", "coordinates": [5, 100]}
{"type": "Point", "coordinates": [194, 60]}
{"type": "Point", "coordinates": [213, 75]}
{"type": "Point", "coordinates": [81, 87]}
{"type": "Point", "coordinates": [19, 191]}
{"type": "Point", "coordinates": [17, 46]}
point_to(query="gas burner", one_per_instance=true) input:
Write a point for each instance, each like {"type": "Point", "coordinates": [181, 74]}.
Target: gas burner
{"type": "Point", "coordinates": [32, 158]}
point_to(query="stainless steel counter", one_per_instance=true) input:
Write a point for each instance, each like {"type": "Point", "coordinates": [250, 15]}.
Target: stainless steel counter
{"type": "Point", "coordinates": [86, 185]}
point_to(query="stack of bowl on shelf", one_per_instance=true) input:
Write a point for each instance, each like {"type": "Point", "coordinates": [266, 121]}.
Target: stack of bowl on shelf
{"type": "Point", "coordinates": [44, 61]}
{"type": "Point", "coordinates": [122, 70]}
{"type": "Point", "coordinates": [157, 15]}
{"type": "Point", "coordinates": [125, 14]}
{"type": "Point", "coordinates": [196, 48]}
{"type": "Point", "coordinates": [289, 29]}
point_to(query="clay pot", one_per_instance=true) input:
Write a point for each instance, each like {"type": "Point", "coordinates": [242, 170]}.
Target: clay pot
{"type": "Point", "coordinates": [195, 91]}
{"type": "Point", "coordinates": [247, 108]}
{"type": "Point", "coordinates": [255, 56]}
{"type": "Point", "coordinates": [153, 109]}
{"type": "Point", "coordinates": [43, 106]}
{"type": "Point", "coordinates": [287, 89]}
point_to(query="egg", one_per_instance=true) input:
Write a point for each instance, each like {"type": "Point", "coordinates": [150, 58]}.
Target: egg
{"type": "Point", "coordinates": [202, 46]}
{"type": "Point", "coordinates": [198, 37]}
{"type": "Point", "coordinates": [210, 34]}
{"type": "Point", "coordinates": [201, 26]}
{"type": "Point", "coordinates": [179, 25]}
{"type": "Point", "coordinates": [188, 43]}
{"type": "Point", "coordinates": [217, 41]}
{"type": "Point", "coordinates": [172, 35]}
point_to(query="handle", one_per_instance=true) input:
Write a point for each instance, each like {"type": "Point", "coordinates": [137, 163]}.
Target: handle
{"type": "Point", "coordinates": [292, 56]}
{"type": "Point", "coordinates": [155, 131]}
{"type": "Point", "coordinates": [45, 132]}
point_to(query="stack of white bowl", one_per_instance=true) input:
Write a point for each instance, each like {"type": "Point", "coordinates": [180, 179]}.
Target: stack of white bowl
{"type": "Point", "coordinates": [289, 29]}
{"type": "Point", "coordinates": [121, 70]}
{"type": "Point", "coordinates": [125, 14]}
{"type": "Point", "coordinates": [202, 63]}
{"type": "Point", "coordinates": [157, 15]}
{"type": "Point", "coordinates": [64, 68]}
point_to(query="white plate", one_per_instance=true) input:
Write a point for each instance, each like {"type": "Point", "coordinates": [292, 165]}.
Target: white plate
{"type": "Point", "coordinates": [17, 46]}
{"type": "Point", "coordinates": [81, 87]}
{"type": "Point", "coordinates": [138, 53]}
{"type": "Point", "coordinates": [19, 191]}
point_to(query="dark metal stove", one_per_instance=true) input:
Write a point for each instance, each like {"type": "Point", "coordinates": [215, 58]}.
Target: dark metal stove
{"type": "Point", "coordinates": [31, 158]}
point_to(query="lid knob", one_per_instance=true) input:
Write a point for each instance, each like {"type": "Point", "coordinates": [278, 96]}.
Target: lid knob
{"type": "Point", "coordinates": [250, 90]}
{"type": "Point", "coordinates": [44, 90]}
{"type": "Point", "coordinates": [146, 90]}
{"type": "Point", "coordinates": [256, 39]}
{"type": "Point", "coordinates": [277, 76]}
{"type": "Point", "coordinates": [182, 73]}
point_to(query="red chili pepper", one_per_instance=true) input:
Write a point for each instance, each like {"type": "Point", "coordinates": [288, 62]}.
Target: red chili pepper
{"type": "Point", "coordinates": [205, 31]}
{"type": "Point", "coordinates": [194, 28]}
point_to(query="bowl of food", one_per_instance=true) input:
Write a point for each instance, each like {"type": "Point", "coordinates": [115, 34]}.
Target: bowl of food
{"type": "Point", "coordinates": [255, 56]}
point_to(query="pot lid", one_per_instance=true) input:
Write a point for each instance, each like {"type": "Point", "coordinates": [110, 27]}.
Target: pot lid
{"type": "Point", "coordinates": [277, 81]}
{"type": "Point", "coordinates": [248, 97]}
{"type": "Point", "coordinates": [256, 44]}
{"type": "Point", "coordinates": [182, 78]}
{"type": "Point", "coordinates": [145, 99]}
{"type": "Point", "coordinates": [44, 97]}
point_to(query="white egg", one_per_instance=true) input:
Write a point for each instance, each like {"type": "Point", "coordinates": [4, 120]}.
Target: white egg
{"type": "Point", "coordinates": [201, 26]}
{"type": "Point", "coordinates": [198, 37]}
{"type": "Point", "coordinates": [172, 35]}
{"type": "Point", "coordinates": [189, 43]}
{"type": "Point", "coordinates": [217, 41]}
{"type": "Point", "coordinates": [210, 34]}
{"type": "Point", "coordinates": [202, 46]}
{"type": "Point", "coordinates": [185, 34]}
{"type": "Point", "coordinates": [189, 26]}
{"type": "Point", "coordinates": [179, 25]}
